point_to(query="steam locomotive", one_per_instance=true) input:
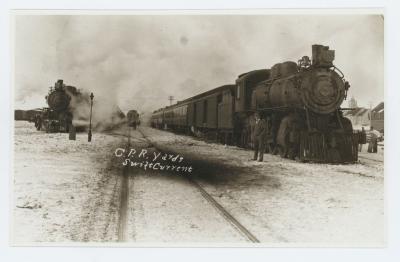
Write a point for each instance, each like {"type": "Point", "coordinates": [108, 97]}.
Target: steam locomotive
{"type": "Point", "coordinates": [69, 107]}
{"type": "Point", "coordinates": [300, 101]}
{"type": "Point", "coordinates": [133, 118]}
{"type": "Point", "coordinates": [61, 100]}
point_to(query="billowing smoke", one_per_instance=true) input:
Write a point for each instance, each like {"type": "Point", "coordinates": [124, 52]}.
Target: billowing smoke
{"type": "Point", "coordinates": [137, 62]}
{"type": "Point", "coordinates": [105, 115]}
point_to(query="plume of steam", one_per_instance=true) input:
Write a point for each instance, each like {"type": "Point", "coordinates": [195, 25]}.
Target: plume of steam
{"type": "Point", "coordinates": [105, 114]}
{"type": "Point", "coordinates": [136, 62]}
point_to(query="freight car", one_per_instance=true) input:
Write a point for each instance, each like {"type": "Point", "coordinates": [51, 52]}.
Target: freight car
{"type": "Point", "coordinates": [133, 118]}
{"type": "Point", "coordinates": [26, 115]}
{"type": "Point", "coordinates": [300, 101]}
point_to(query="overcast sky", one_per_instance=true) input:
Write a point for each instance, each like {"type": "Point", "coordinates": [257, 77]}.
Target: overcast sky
{"type": "Point", "coordinates": [137, 61]}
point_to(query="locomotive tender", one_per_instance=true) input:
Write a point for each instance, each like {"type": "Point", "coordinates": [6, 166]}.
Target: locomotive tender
{"type": "Point", "coordinates": [300, 101]}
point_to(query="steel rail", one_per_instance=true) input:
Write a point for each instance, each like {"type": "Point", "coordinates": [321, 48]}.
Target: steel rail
{"type": "Point", "coordinates": [211, 200]}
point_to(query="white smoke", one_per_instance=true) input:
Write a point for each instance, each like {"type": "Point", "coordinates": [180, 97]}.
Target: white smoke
{"type": "Point", "coordinates": [136, 62]}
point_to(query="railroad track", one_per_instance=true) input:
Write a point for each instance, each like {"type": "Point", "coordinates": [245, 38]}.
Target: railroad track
{"type": "Point", "coordinates": [214, 203]}
{"type": "Point", "coordinates": [228, 217]}
{"type": "Point", "coordinates": [123, 205]}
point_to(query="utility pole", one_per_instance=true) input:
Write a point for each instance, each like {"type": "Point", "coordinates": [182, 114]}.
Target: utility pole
{"type": "Point", "coordinates": [370, 113]}
{"type": "Point", "coordinates": [170, 98]}
{"type": "Point", "coordinates": [90, 118]}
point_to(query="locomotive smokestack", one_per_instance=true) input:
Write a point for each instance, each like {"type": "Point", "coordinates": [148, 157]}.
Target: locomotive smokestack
{"type": "Point", "coordinates": [322, 56]}
{"type": "Point", "coordinates": [59, 83]}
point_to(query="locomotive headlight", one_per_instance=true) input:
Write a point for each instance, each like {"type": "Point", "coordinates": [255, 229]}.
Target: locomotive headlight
{"type": "Point", "coordinates": [324, 91]}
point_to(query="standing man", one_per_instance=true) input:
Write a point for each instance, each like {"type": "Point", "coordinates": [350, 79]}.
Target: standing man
{"type": "Point", "coordinates": [362, 139]}
{"type": "Point", "coordinates": [38, 122]}
{"type": "Point", "coordinates": [373, 141]}
{"type": "Point", "coordinates": [259, 137]}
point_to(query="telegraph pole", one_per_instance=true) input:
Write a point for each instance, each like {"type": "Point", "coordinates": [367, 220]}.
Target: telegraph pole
{"type": "Point", "coordinates": [90, 118]}
{"type": "Point", "coordinates": [370, 113]}
{"type": "Point", "coordinates": [170, 98]}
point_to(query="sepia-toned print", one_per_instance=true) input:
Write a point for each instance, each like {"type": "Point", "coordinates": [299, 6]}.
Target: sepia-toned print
{"type": "Point", "coordinates": [198, 129]}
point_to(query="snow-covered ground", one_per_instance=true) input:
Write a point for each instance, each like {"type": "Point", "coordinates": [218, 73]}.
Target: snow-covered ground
{"type": "Point", "coordinates": [283, 201]}
{"type": "Point", "coordinates": [69, 191]}
{"type": "Point", "coordinates": [167, 208]}
{"type": "Point", "coordinates": [63, 190]}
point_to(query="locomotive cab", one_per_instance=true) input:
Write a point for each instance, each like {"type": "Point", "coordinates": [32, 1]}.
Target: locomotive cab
{"type": "Point", "coordinates": [245, 84]}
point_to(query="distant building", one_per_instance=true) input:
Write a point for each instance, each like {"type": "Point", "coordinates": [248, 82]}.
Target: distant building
{"type": "Point", "coordinates": [353, 102]}
{"type": "Point", "coordinates": [377, 117]}
{"type": "Point", "coordinates": [359, 117]}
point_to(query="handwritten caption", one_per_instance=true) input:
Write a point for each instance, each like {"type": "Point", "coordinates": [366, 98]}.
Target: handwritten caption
{"type": "Point", "coordinates": [157, 161]}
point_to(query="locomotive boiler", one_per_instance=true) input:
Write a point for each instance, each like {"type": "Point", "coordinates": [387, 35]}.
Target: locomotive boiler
{"type": "Point", "coordinates": [317, 88]}
{"type": "Point", "coordinates": [300, 102]}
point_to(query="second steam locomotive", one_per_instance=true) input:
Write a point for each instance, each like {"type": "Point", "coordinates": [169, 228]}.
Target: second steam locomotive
{"type": "Point", "coordinates": [62, 100]}
{"type": "Point", "coordinates": [68, 108]}
{"type": "Point", "coordinates": [299, 101]}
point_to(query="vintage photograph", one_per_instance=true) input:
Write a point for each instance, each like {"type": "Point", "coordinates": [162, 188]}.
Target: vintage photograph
{"type": "Point", "coordinates": [198, 129]}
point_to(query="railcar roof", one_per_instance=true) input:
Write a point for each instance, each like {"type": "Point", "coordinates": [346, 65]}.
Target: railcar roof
{"type": "Point", "coordinates": [209, 92]}
{"type": "Point", "coordinates": [251, 73]}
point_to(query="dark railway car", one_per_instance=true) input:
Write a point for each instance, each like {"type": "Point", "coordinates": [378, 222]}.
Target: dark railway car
{"type": "Point", "coordinates": [26, 115]}
{"type": "Point", "coordinates": [20, 115]}
{"type": "Point", "coordinates": [301, 101]}
{"type": "Point", "coordinates": [133, 118]}
{"type": "Point", "coordinates": [157, 119]}
{"type": "Point", "coordinates": [174, 117]}
{"type": "Point", "coordinates": [210, 110]}
{"type": "Point", "coordinates": [208, 114]}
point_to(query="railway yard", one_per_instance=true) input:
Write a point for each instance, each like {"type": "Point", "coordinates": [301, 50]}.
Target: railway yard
{"type": "Point", "coordinates": [75, 191]}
